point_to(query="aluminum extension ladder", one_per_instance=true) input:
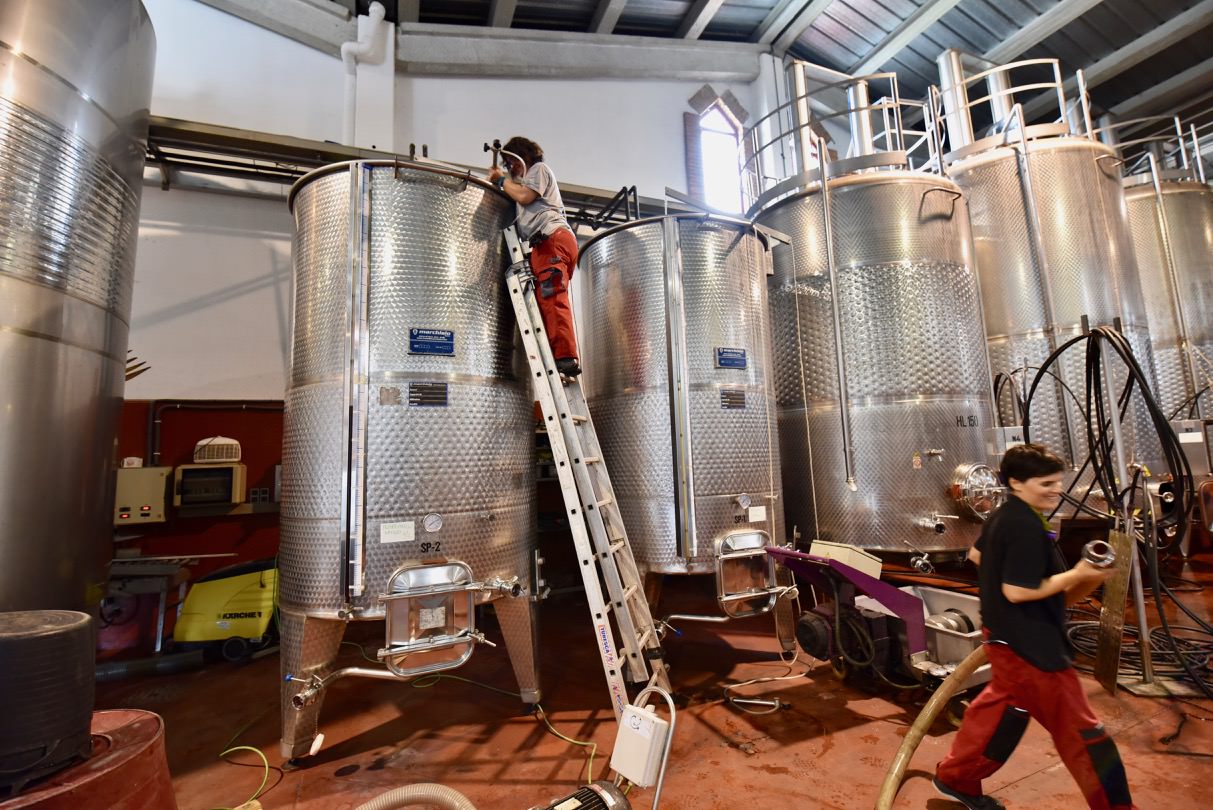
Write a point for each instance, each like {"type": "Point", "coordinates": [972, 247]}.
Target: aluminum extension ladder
{"type": "Point", "coordinates": [598, 532]}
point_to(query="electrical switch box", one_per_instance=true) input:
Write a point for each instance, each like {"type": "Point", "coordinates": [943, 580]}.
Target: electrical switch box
{"type": "Point", "coordinates": [640, 745]}
{"type": "Point", "coordinates": [209, 484]}
{"type": "Point", "coordinates": [140, 495]}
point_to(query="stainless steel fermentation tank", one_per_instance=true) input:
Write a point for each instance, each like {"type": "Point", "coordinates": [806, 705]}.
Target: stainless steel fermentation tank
{"type": "Point", "coordinates": [408, 454]}
{"type": "Point", "coordinates": [75, 85]}
{"type": "Point", "coordinates": [880, 364]}
{"type": "Point", "coordinates": [678, 380]}
{"type": "Point", "coordinates": [1171, 218]}
{"type": "Point", "coordinates": [1053, 247]}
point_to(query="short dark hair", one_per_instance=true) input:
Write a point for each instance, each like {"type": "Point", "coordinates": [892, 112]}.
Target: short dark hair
{"type": "Point", "coordinates": [1025, 461]}
{"type": "Point", "coordinates": [526, 149]}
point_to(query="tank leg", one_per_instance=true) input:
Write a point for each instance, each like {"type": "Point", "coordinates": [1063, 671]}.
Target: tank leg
{"type": "Point", "coordinates": [652, 589]}
{"type": "Point", "coordinates": [785, 611]}
{"type": "Point", "coordinates": [309, 647]}
{"type": "Point", "coordinates": [519, 622]}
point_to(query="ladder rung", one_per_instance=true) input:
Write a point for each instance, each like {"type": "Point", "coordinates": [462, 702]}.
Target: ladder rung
{"type": "Point", "coordinates": [580, 419]}
{"type": "Point", "coordinates": [614, 547]}
{"type": "Point", "coordinates": [608, 500]}
{"type": "Point", "coordinates": [592, 459]}
{"type": "Point", "coordinates": [631, 590]}
{"type": "Point", "coordinates": [644, 637]}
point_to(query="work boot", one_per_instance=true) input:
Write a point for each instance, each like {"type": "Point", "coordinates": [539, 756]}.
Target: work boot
{"type": "Point", "coordinates": [568, 366]}
{"type": "Point", "coordinates": [969, 800]}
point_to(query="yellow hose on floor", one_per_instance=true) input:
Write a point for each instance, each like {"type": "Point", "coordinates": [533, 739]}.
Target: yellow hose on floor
{"type": "Point", "coordinates": [945, 692]}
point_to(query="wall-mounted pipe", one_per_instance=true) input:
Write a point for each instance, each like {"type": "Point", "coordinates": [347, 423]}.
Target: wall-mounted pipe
{"type": "Point", "coordinates": [351, 52]}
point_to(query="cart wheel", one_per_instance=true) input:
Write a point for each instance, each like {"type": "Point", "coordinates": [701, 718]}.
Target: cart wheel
{"type": "Point", "coordinates": [839, 665]}
{"type": "Point", "coordinates": [236, 649]}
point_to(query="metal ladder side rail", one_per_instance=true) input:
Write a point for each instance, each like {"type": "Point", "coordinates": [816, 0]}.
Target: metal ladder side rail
{"type": "Point", "coordinates": [641, 643]}
{"type": "Point", "coordinates": [631, 587]}
{"type": "Point", "coordinates": [604, 637]}
{"type": "Point", "coordinates": [563, 430]}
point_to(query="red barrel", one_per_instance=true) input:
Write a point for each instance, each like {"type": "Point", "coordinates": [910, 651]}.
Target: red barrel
{"type": "Point", "coordinates": [127, 770]}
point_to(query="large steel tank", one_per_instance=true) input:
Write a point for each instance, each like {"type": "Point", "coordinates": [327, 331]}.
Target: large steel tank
{"type": "Point", "coordinates": [679, 384]}
{"type": "Point", "coordinates": [75, 85]}
{"type": "Point", "coordinates": [1172, 227]}
{"type": "Point", "coordinates": [408, 453]}
{"type": "Point", "coordinates": [1053, 248]}
{"type": "Point", "coordinates": [882, 378]}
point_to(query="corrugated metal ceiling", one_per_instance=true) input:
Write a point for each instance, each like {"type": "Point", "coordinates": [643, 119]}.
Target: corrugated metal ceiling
{"type": "Point", "coordinates": [849, 31]}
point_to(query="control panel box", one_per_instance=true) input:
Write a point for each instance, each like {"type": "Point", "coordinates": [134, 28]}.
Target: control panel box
{"type": "Point", "coordinates": [209, 484]}
{"type": "Point", "coordinates": [640, 745]}
{"type": "Point", "coordinates": [140, 495]}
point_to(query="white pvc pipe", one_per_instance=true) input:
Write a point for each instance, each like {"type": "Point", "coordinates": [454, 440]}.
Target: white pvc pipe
{"type": "Point", "coordinates": [351, 52]}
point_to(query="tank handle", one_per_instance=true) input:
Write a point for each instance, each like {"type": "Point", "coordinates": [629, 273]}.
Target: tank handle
{"type": "Point", "coordinates": [955, 195]}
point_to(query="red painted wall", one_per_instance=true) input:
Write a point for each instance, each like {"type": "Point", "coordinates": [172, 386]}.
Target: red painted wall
{"type": "Point", "coordinates": [258, 428]}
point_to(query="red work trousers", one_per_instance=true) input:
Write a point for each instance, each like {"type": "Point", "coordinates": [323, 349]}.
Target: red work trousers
{"type": "Point", "coordinates": [995, 721]}
{"type": "Point", "coordinates": [552, 262]}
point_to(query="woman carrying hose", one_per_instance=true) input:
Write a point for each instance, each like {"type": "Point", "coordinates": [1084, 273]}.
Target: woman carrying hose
{"type": "Point", "coordinates": [1024, 592]}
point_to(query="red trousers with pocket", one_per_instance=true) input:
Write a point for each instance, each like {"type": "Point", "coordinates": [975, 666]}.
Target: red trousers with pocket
{"type": "Point", "coordinates": [997, 718]}
{"type": "Point", "coordinates": [553, 261]}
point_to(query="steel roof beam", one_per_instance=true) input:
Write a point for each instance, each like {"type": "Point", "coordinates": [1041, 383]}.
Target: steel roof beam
{"type": "Point", "coordinates": [1169, 92]}
{"type": "Point", "coordinates": [923, 18]}
{"type": "Point", "coordinates": [462, 50]}
{"type": "Point", "coordinates": [1039, 29]}
{"type": "Point", "coordinates": [606, 16]}
{"type": "Point", "coordinates": [321, 27]}
{"type": "Point", "coordinates": [697, 18]}
{"type": "Point", "coordinates": [799, 23]}
{"type": "Point", "coordinates": [501, 13]}
{"type": "Point", "coordinates": [1152, 42]}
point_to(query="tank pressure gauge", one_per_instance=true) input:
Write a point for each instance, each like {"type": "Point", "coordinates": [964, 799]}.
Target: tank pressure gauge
{"type": "Point", "coordinates": [743, 500]}
{"type": "Point", "coordinates": [977, 489]}
{"type": "Point", "coordinates": [432, 522]}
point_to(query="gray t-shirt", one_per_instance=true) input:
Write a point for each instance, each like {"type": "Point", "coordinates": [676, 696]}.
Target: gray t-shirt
{"type": "Point", "coordinates": [544, 214]}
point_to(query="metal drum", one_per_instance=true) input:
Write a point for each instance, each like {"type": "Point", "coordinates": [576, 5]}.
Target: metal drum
{"type": "Point", "coordinates": [408, 453]}
{"type": "Point", "coordinates": [678, 381]}
{"type": "Point", "coordinates": [1172, 226]}
{"type": "Point", "coordinates": [77, 80]}
{"type": "Point", "coordinates": [917, 392]}
{"type": "Point", "coordinates": [1053, 247]}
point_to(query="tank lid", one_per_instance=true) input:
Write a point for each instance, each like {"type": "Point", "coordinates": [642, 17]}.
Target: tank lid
{"type": "Point", "coordinates": [404, 163]}
{"type": "Point", "coordinates": [32, 623]}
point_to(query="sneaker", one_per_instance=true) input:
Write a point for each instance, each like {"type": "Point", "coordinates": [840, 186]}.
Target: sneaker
{"type": "Point", "coordinates": [969, 800]}
{"type": "Point", "coordinates": [568, 366]}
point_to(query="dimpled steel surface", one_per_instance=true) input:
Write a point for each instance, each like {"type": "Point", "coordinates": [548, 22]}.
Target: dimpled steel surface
{"type": "Point", "coordinates": [1188, 209]}
{"type": "Point", "coordinates": [912, 340]}
{"type": "Point", "coordinates": [723, 272]}
{"type": "Point", "coordinates": [1087, 256]}
{"type": "Point", "coordinates": [436, 260]}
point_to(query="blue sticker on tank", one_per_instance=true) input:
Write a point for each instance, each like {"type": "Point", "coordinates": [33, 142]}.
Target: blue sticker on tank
{"type": "Point", "coordinates": [431, 341]}
{"type": "Point", "coordinates": [730, 358]}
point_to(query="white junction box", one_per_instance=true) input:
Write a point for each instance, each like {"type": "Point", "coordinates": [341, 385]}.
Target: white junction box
{"type": "Point", "coordinates": [857, 558]}
{"type": "Point", "coordinates": [640, 745]}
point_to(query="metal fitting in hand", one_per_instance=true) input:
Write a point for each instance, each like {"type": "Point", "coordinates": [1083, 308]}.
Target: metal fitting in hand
{"type": "Point", "coordinates": [1099, 554]}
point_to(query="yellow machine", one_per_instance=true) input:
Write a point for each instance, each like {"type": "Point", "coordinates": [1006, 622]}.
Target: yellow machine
{"type": "Point", "coordinates": [230, 612]}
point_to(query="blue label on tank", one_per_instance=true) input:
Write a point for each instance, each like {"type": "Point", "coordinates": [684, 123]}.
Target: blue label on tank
{"type": "Point", "coordinates": [431, 341]}
{"type": "Point", "coordinates": [730, 358]}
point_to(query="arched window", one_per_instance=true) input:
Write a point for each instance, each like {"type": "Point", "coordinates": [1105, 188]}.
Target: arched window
{"type": "Point", "coordinates": [719, 135]}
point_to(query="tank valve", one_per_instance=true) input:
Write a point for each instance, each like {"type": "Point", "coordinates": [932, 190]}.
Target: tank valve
{"type": "Point", "coordinates": [1099, 554]}
{"type": "Point", "coordinates": [936, 523]}
{"type": "Point", "coordinates": [922, 565]}
{"type": "Point", "coordinates": [510, 587]}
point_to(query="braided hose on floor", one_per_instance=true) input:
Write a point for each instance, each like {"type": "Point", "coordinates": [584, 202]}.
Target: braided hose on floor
{"type": "Point", "coordinates": [945, 692]}
{"type": "Point", "coordinates": [423, 794]}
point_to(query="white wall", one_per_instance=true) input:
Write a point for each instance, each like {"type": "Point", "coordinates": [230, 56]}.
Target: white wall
{"type": "Point", "coordinates": [211, 310]}
{"type": "Point", "coordinates": [602, 133]}
{"type": "Point", "coordinates": [211, 307]}
{"type": "Point", "coordinates": [216, 69]}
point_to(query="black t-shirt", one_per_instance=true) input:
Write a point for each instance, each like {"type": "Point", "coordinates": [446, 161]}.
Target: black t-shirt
{"type": "Point", "coordinates": [1017, 549]}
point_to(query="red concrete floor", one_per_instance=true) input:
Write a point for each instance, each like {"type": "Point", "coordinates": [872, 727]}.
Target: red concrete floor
{"type": "Point", "coordinates": [829, 749]}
